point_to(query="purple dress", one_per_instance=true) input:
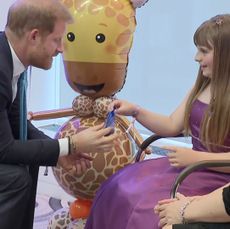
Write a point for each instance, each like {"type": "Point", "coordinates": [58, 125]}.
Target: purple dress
{"type": "Point", "coordinates": [126, 200]}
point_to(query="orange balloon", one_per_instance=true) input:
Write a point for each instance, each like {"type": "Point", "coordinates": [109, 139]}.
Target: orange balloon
{"type": "Point", "coordinates": [80, 208]}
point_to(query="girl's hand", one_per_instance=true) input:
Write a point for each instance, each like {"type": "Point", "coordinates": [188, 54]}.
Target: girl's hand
{"type": "Point", "coordinates": [182, 156]}
{"type": "Point", "coordinates": [123, 107]}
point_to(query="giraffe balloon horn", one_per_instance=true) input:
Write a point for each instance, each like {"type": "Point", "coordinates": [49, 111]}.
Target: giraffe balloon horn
{"type": "Point", "coordinates": [138, 3]}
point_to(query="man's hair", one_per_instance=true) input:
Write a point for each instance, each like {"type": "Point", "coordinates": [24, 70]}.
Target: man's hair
{"type": "Point", "coordinates": [214, 34]}
{"type": "Point", "coordinates": [25, 15]}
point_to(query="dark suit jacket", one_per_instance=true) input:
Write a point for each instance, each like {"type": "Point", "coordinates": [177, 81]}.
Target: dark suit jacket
{"type": "Point", "coordinates": [39, 149]}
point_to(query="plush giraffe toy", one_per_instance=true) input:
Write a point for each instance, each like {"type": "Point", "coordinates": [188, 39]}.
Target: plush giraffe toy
{"type": "Point", "coordinates": [95, 57]}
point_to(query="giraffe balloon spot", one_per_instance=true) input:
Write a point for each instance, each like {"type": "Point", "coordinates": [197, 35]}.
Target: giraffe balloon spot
{"type": "Point", "coordinates": [116, 4]}
{"type": "Point", "coordinates": [123, 20]}
{"type": "Point", "coordinates": [109, 12]}
{"type": "Point", "coordinates": [123, 38]}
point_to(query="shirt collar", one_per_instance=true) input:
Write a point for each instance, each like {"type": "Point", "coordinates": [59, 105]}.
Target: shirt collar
{"type": "Point", "coordinates": [18, 67]}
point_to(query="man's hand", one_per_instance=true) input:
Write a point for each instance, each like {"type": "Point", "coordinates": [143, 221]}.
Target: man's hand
{"type": "Point", "coordinates": [94, 139]}
{"type": "Point", "coordinates": [75, 164]}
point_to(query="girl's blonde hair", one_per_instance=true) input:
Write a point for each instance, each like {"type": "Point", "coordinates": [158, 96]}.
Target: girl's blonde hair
{"type": "Point", "coordinates": [25, 15]}
{"type": "Point", "coordinates": [214, 34]}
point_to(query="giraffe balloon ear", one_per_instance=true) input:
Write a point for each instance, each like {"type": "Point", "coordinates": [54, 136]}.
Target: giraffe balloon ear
{"type": "Point", "coordinates": [138, 3]}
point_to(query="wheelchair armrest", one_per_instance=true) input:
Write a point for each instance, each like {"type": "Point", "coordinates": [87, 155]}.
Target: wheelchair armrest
{"type": "Point", "coordinates": [147, 142]}
{"type": "Point", "coordinates": [196, 166]}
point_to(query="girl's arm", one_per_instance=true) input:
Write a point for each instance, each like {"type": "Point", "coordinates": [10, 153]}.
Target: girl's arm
{"type": "Point", "coordinates": [216, 157]}
{"type": "Point", "coordinates": [171, 125]}
{"type": "Point", "coordinates": [183, 157]}
{"type": "Point", "coordinates": [160, 124]}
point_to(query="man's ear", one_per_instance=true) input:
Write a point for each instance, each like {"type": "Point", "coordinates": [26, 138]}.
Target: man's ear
{"type": "Point", "coordinates": [33, 36]}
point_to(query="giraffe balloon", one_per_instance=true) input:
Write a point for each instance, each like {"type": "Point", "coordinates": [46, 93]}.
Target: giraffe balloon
{"type": "Point", "coordinates": [96, 49]}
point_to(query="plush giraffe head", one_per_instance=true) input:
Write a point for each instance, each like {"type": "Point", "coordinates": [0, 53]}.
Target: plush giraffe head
{"type": "Point", "coordinates": [97, 45]}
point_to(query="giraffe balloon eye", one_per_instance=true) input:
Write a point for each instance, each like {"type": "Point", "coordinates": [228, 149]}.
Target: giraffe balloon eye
{"type": "Point", "coordinates": [71, 37]}
{"type": "Point", "coordinates": [100, 38]}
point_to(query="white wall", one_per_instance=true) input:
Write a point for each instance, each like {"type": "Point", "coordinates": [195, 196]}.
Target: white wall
{"type": "Point", "coordinates": [3, 12]}
{"type": "Point", "coordinates": [161, 66]}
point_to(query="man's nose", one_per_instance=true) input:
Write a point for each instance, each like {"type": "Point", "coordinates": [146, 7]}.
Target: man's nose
{"type": "Point", "coordinates": [60, 48]}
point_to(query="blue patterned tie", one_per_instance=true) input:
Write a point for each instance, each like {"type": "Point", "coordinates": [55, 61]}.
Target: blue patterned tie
{"type": "Point", "coordinates": [23, 111]}
{"type": "Point", "coordinates": [33, 169]}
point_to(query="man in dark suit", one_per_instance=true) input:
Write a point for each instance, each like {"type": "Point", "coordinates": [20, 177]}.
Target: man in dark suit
{"type": "Point", "coordinates": [32, 37]}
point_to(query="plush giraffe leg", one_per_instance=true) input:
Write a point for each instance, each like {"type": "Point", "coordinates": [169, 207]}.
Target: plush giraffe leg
{"type": "Point", "coordinates": [77, 224]}
{"type": "Point", "coordinates": [60, 219]}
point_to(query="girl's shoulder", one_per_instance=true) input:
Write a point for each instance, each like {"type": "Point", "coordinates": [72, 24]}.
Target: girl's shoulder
{"type": "Point", "coordinates": [205, 95]}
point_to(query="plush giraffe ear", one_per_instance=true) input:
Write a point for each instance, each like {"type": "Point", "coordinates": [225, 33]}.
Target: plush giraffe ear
{"type": "Point", "coordinates": [138, 3]}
